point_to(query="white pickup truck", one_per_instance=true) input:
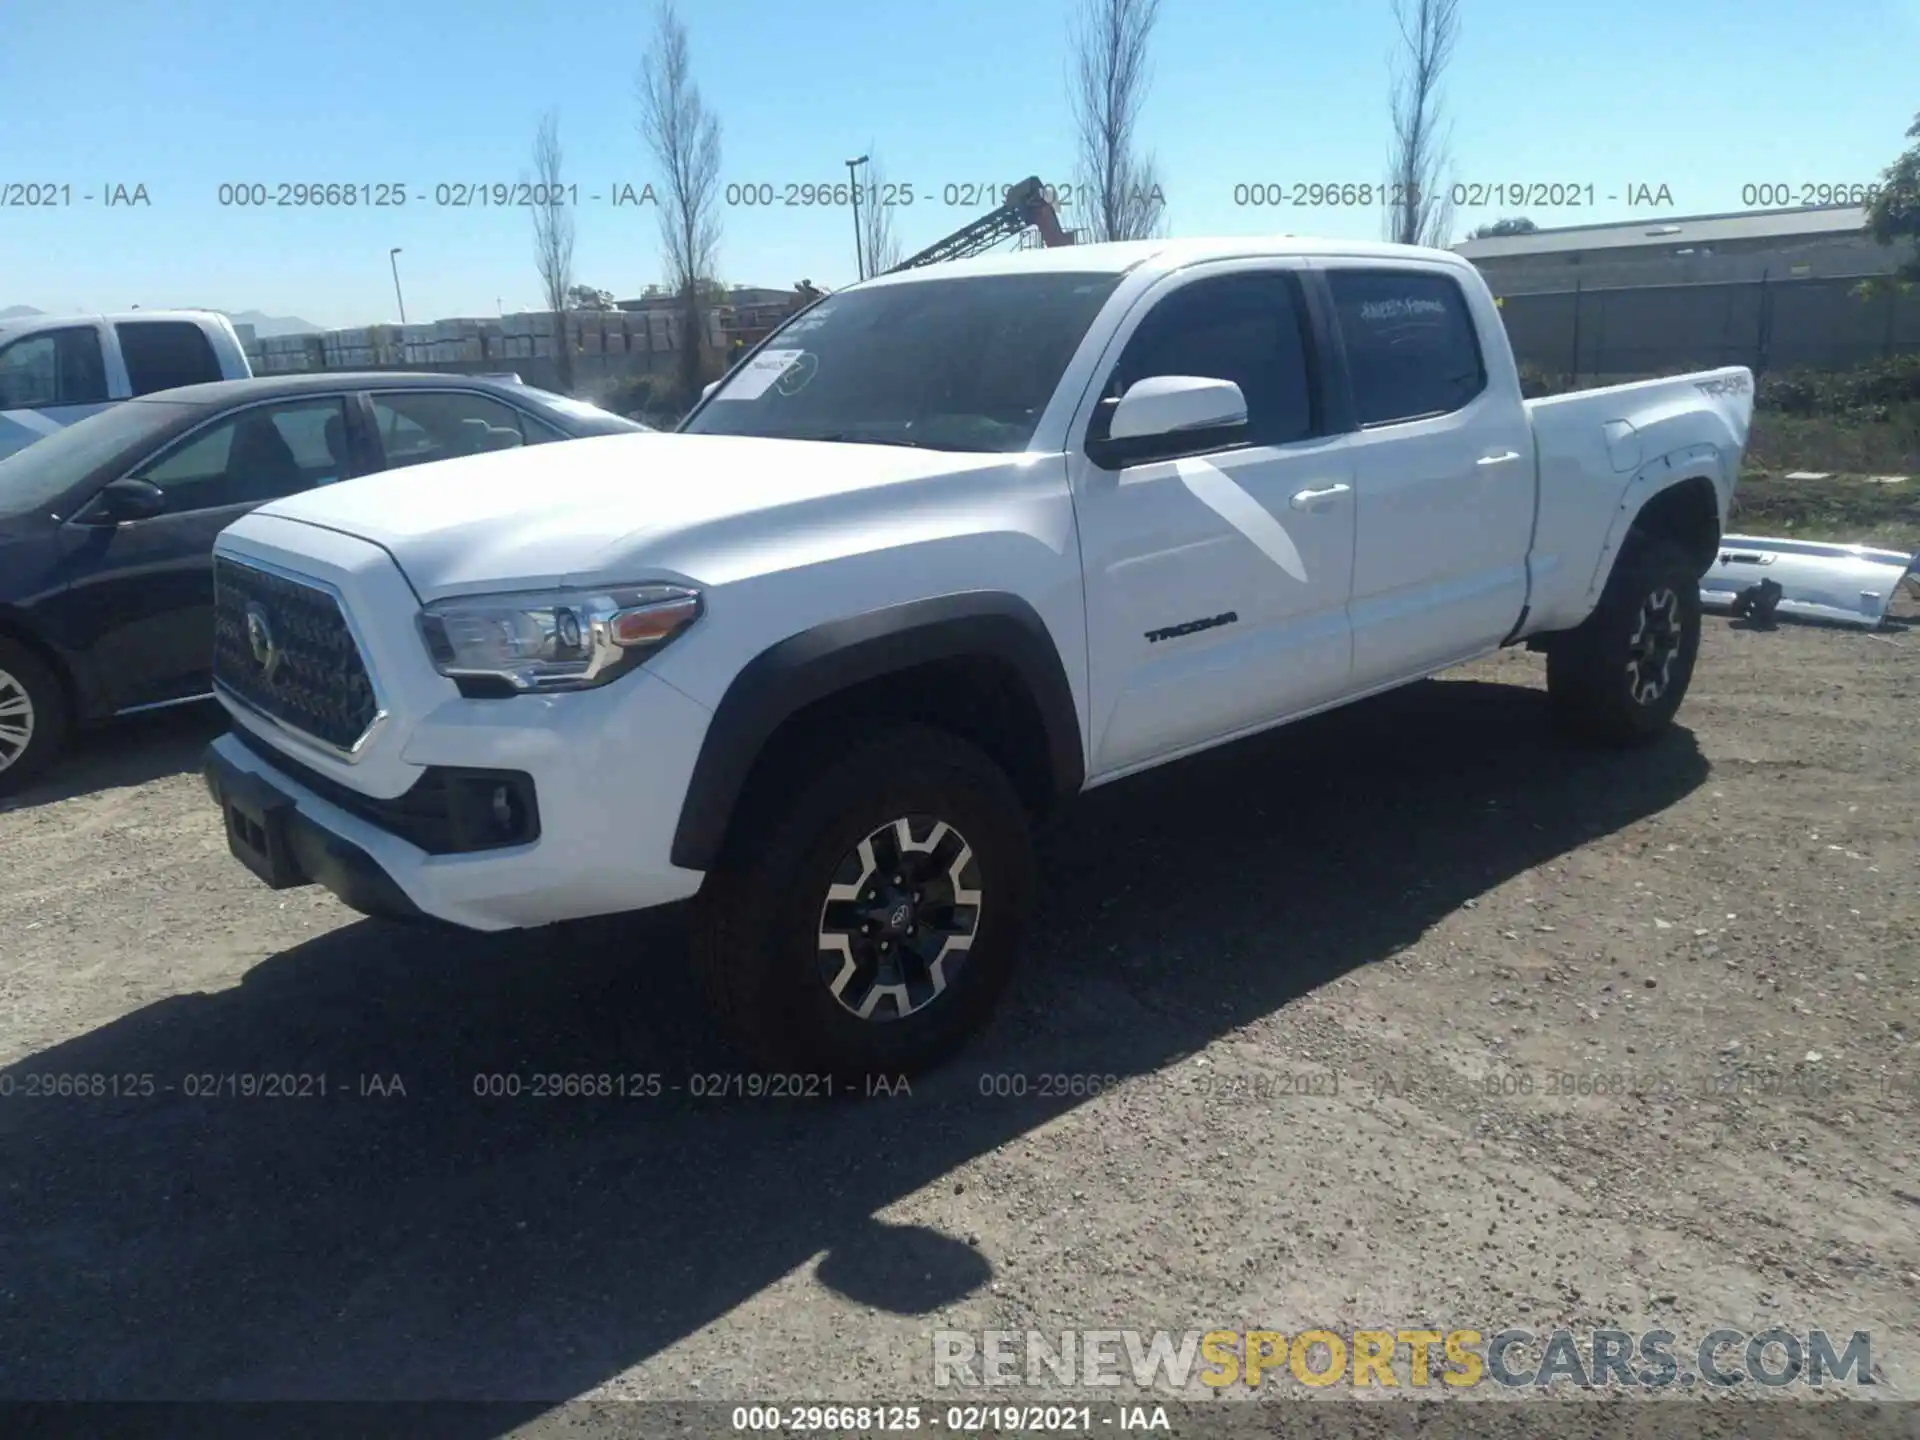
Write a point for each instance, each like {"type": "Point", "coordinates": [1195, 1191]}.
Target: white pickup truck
{"type": "Point", "coordinates": [948, 548]}
{"type": "Point", "coordinates": [56, 370]}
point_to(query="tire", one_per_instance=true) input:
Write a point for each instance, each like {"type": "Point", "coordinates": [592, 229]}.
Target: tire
{"type": "Point", "coordinates": [788, 882]}
{"type": "Point", "coordinates": [33, 717]}
{"type": "Point", "coordinates": [1621, 675]}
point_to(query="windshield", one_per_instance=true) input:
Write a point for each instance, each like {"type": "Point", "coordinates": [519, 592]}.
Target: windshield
{"type": "Point", "coordinates": [30, 479]}
{"type": "Point", "coordinates": [965, 364]}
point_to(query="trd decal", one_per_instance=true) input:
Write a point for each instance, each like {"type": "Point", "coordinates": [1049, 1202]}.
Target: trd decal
{"type": "Point", "coordinates": [1192, 627]}
{"type": "Point", "coordinates": [1725, 385]}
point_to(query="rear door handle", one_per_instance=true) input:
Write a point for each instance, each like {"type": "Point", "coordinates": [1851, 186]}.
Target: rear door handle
{"type": "Point", "coordinates": [1501, 459]}
{"type": "Point", "coordinates": [1312, 499]}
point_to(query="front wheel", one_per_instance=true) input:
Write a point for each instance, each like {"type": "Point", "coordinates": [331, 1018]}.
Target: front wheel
{"type": "Point", "coordinates": [867, 924]}
{"type": "Point", "coordinates": [1620, 677]}
{"type": "Point", "coordinates": [33, 717]}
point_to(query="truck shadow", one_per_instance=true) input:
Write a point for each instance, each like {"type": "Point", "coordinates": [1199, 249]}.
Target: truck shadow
{"type": "Point", "coordinates": [370, 1244]}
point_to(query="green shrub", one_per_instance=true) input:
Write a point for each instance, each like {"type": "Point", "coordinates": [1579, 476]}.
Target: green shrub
{"type": "Point", "coordinates": [1871, 392]}
{"type": "Point", "coordinates": [1536, 382]}
{"type": "Point", "coordinates": [632, 395]}
{"type": "Point", "coordinates": [1864, 392]}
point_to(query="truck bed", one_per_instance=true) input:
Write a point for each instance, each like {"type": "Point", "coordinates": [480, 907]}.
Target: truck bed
{"type": "Point", "coordinates": [1601, 451]}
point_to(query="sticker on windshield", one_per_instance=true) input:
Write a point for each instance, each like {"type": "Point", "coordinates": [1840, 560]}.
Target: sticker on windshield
{"type": "Point", "coordinates": [758, 373]}
{"type": "Point", "coordinates": [795, 376]}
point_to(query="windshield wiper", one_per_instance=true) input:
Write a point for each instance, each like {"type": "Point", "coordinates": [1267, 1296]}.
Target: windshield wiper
{"type": "Point", "coordinates": [848, 437]}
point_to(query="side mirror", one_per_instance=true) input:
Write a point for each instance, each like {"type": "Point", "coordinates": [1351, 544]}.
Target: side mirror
{"type": "Point", "coordinates": [1168, 404]}
{"type": "Point", "coordinates": [122, 500]}
{"type": "Point", "coordinates": [1166, 414]}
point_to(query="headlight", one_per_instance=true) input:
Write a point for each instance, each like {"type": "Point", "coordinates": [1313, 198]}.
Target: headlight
{"type": "Point", "coordinates": [554, 640]}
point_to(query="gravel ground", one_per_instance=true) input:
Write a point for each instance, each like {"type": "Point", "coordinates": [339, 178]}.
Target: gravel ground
{"type": "Point", "coordinates": [1348, 986]}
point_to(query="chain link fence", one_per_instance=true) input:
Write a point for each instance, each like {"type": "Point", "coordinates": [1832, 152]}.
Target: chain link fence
{"type": "Point", "coordinates": [1596, 336]}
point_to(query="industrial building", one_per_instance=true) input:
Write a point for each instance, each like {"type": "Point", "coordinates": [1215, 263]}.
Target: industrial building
{"type": "Point", "coordinates": [1809, 243]}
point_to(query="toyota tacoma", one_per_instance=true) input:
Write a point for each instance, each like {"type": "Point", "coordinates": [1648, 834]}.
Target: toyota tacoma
{"type": "Point", "coordinates": [948, 548]}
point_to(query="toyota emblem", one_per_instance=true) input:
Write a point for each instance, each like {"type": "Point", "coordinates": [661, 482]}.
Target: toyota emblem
{"type": "Point", "coordinates": [266, 651]}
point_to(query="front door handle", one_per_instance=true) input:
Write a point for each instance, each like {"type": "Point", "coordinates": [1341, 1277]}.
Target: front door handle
{"type": "Point", "coordinates": [1314, 499]}
{"type": "Point", "coordinates": [1501, 459]}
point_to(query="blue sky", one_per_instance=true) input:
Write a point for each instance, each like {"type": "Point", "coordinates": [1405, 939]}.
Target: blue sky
{"type": "Point", "coordinates": [185, 95]}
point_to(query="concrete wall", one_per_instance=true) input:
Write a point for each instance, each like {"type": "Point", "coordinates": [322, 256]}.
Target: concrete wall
{"type": "Point", "coordinates": [607, 347]}
{"type": "Point", "coordinates": [1662, 329]}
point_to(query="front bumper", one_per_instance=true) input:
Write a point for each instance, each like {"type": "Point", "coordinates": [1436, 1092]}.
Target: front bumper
{"type": "Point", "coordinates": [298, 850]}
{"type": "Point", "coordinates": [607, 811]}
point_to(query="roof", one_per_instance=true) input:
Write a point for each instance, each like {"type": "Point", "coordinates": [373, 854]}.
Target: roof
{"type": "Point", "coordinates": [1118, 257]}
{"type": "Point", "coordinates": [42, 322]}
{"type": "Point", "coordinates": [266, 387]}
{"type": "Point", "coordinates": [1673, 230]}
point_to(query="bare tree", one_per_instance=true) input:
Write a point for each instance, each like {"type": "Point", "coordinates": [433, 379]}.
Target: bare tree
{"type": "Point", "coordinates": [1106, 90]}
{"type": "Point", "coordinates": [553, 237]}
{"type": "Point", "coordinates": [1420, 210]}
{"type": "Point", "coordinates": [684, 137]}
{"type": "Point", "coordinates": [879, 246]}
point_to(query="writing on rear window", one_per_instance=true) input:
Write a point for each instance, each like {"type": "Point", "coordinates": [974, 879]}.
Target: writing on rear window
{"type": "Point", "coordinates": [1412, 352]}
{"type": "Point", "coordinates": [1400, 309]}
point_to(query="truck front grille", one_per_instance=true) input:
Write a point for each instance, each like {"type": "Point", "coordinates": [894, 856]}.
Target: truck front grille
{"type": "Point", "coordinates": [284, 648]}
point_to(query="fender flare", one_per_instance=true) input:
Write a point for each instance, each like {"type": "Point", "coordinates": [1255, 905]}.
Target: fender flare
{"type": "Point", "coordinates": [1699, 462]}
{"type": "Point", "coordinates": [817, 663]}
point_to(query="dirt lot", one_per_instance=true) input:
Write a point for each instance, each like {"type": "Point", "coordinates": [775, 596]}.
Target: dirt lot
{"type": "Point", "coordinates": [1435, 921]}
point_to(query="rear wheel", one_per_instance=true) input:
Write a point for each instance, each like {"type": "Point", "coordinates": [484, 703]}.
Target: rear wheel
{"type": "Point", "coordinates": [1620, 677]}
{"type": "Point", "coordinates": [33, 717]}
{"type": "Point", "coordinates": [867, 924]}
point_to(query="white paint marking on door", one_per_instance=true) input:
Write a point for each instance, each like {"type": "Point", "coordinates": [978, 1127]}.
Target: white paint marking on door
{"type": "Point", "coordinates": [1220, 493]}
{"type": "Point", "coordinates": [33, 420]}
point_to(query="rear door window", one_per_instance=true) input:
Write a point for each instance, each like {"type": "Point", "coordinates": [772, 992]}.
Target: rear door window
{"type": "Point", "coordinates": [419, 426]}
{"type": "Point", "coordinates": [53, 367]}
{"type": "Point", "coordinates": [161, 354]}
{"type": "Point", "coordinates": [1412, 350]}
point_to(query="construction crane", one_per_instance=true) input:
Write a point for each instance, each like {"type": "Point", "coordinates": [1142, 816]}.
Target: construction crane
{"type": "Point", "coordinates": [1026, 208]}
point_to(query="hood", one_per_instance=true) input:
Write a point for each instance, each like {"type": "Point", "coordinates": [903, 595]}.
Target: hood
{"type": "Point", "coordinates": [15, 435]}
{"type": "Point", "coordinates": [581, 512]}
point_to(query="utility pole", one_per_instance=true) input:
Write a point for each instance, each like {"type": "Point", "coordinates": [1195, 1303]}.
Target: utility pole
{"type": "Point", "coordinates": [859, 248]}
{"type": "Point", "coordinates": [393, 259]}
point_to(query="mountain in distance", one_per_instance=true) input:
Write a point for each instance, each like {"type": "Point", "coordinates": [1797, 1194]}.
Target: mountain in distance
{"type": "Point", "coordinates": [263, 324]}
{"type": "Point", "coordinates": [266, 326]}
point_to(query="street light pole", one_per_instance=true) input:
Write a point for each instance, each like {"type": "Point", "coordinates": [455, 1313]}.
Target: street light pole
{"type": "Point", "coordinates": [859, 249]}
{"type": "Point", "coordinates": [393, 259]}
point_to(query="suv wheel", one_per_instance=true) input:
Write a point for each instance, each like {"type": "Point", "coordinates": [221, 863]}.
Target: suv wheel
{"type": "Point", "coordinates": [33, 717]}
{"type": "Point", "coordinates": [867, 924]}
{"type": "Point", "coordinates": [1622, 674]}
